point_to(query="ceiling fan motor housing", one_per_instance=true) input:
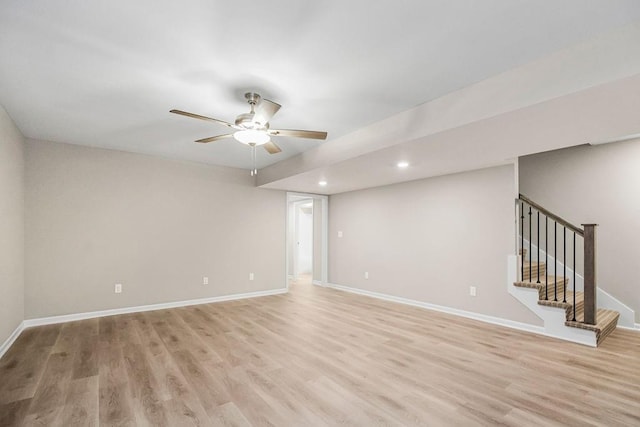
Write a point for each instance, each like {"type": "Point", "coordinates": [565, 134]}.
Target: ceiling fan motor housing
{"type": "Point", "coordinates": [247, 120]}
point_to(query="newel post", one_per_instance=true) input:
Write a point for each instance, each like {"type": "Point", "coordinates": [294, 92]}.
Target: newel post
{"type": "Point", "coordinates": [590, 281]}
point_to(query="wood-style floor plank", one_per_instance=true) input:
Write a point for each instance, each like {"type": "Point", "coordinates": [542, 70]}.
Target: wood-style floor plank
{"type": "Point", "coordinates": [14, 413]}
{"type": "Point", "coordinates": [314, 356]}
{"type": "Point", "coordinates": [22, 366]}
{"type": "Point", "coordinates": [51, 393]}
{"type": "Point", "coordinates": [81, 404]}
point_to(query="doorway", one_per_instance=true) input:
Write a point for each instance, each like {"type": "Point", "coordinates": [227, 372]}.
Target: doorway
{"type": "Point", "coordinates": [307, 237]}
{"type": "Point", "coordinates": [303, 264]}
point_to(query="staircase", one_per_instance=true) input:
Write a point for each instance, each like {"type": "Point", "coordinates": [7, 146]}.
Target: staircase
{"type": "Point", "coordinates": [568, 313]}
{"type": "Point", "coordinates": [554, 291]}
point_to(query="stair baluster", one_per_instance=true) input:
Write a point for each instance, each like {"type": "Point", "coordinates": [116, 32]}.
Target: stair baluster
{"type": "Point", "coordinates": [546, 257]}
{"type": "Point", "coordinates": [522, 239]}
{"type": "Point", "coordinates": [564, 261]}
{"type": "Point", "coordinates": [555, 250]}
{"type": "Point", "coordinates": [538, 258]}
{"type": "Point", "coordinates": [574, 276]}
{"type": "Point", "coordinates": [530, 260]}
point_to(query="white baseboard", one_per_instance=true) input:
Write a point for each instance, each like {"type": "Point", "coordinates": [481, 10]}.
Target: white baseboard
{"type": "Point", "coordinates": [443, 309]}
{"type": "Point", "coordinates": [636, 327]}
{"type": "Point", "coordinates": [317, 282]}
{"type": "Point", "coordinates": [126, 310]}
{"type": "Point", "coordinates": [12, 338]}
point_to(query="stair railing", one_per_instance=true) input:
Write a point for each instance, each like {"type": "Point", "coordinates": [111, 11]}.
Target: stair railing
{"type": "Point", "coordinates": [529, 211]}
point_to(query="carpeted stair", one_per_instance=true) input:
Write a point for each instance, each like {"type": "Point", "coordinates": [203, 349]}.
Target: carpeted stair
{"type": "Point", "coordinates": [554, 291]}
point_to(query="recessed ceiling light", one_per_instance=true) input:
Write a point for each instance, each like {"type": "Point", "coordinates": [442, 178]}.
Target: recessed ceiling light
{"type": "Point", "coordinates": [322, 183]}
{"type": "Point", "coordinates": [403, 165]}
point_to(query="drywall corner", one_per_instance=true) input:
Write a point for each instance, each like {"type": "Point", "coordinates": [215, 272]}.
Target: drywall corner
{"type": "Point", "coordinates": [11, 227]}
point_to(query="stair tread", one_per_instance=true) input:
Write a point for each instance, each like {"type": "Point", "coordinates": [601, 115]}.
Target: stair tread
{"type": "Point", "coordinates": [607, 320]}
{"type": "Point", "coordinates": [603, 317]}
{"type": "Point", "coordinates": [560, 304]}
{"type": "Point", "coordinates": [566, 306]}
{"type": "Point", "coordinates": [549, 280]}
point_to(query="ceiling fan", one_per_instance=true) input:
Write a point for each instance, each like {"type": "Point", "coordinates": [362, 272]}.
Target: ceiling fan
{"type": "Point", "coordinates": [252, 128]}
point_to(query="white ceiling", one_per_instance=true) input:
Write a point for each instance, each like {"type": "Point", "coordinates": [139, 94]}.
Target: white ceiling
{"type": "Point", "coordinates": [106, 73]}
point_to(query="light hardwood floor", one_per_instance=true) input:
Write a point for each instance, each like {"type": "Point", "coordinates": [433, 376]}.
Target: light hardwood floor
{"type": "Point", "coordinates": [312, 357]}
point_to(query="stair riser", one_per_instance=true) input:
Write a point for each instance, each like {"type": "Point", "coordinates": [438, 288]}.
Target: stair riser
{"type": "Point", "coordinates": [559, 291]}
{"type": "Point", "coordinates": [534, 272]}
{"type": "Point", "coordinates": [579, 310]}
{"type": "Point", "coordinates": [607, 330]}
{"type": "Point", "coordinates": [534, 276]}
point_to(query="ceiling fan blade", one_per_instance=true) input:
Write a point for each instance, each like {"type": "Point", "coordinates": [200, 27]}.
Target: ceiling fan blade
{"type": "Point", "coordinates": [265, 110]}
{"type": "Point", "coordinates": [298, 133]}
{"type": "Point", "coordinates": [198, 116]}
{"type": "Point", "coordinates": [214, 138]}
{"type": "Point", "coordinates": [272, 148]}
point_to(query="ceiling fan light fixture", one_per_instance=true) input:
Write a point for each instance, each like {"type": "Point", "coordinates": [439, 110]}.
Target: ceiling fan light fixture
{"type": "Point", "coordinates": [251, 136]}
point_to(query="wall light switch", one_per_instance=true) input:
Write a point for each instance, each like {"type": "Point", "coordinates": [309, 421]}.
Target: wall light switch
{"type": "Point", "coordinates": [205, 280]}
{"type": "Point", "coordinates": [472, 291]}
{"type": "Point", "coordinates": [250, 276]}
{"type": "Point", "coordinates": [339, 233]}
{"type": "Point", "coordinates": [366, 274]}
{"type": "Point", "coordinates": [118, 288]}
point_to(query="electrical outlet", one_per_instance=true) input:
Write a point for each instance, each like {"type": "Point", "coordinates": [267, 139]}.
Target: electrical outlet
{"type": "Point", "coordinates": [250, 276]}
{"type": "Point", "coordinates": [366, 274]}
{"type": "Point", "coordinates": [339, 233]}
{"type": "Point", "coordinates": [205, 280]}
{"type": "Point", "coordinates": [472, 291]}
{"type": "Point", "coordinates": [118, 288]}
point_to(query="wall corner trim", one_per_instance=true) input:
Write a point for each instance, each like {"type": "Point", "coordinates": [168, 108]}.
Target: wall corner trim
{"type": "Point", "coordinates": [126, 310]}
{"type": "Point", "coordinates": [12, 338]}
{"type": "Point", "coordinates": [443, 309]}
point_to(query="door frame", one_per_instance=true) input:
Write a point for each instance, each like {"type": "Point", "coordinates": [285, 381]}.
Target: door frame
{"type": "Point", "coordinates": [324, 234]}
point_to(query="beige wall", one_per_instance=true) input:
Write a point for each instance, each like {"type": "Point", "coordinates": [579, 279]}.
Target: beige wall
{"type": "Point", "coordinates": [97, 217]}
{"type": "Point", "coordinates": [595, 184]}
{"type": "Point", "coordinates": [11, 226]}
{"type": "Point", "coordinates": [430, 240]}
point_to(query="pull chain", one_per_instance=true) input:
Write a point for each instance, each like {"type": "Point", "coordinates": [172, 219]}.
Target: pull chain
{"type": "Point", "coordinates": [254, 170]}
